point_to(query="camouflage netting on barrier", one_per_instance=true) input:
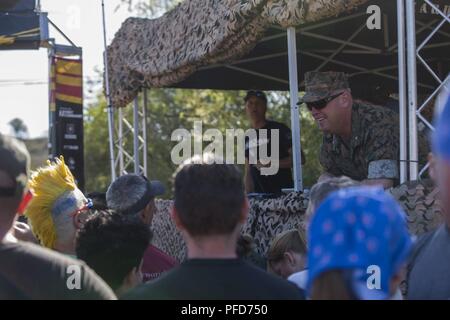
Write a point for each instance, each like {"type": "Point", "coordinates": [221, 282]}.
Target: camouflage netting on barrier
{"type": "Point", "coordinates": [161, 52]}
{"type": "Point", "coordinates": [269, 217]}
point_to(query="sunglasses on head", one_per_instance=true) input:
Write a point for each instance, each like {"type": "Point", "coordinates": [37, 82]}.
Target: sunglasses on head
{"type": "Point", "coordinates": [318, 105]}
{"type": "Point", "coordinates": [255, 93]}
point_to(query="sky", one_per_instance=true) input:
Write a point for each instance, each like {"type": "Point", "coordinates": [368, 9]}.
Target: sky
{"type": "Point", "coordinates": [81, 21]}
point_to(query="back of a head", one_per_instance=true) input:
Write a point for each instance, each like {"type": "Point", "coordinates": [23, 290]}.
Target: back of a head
{"type": "Point", "coordinates": [293, 240]}
{"type": "Point", "coordinates": [209, 196]}
{"type": "Point", "coordinates": [322, 189]}
{"type": "Point", "coordinates": [98, 200]}
{"type": "Point", "coordinates": [14, 168]}
{"type": "Point", "coordinates": [55, 204]}
{"type": "Point", "coordinates": [125, 192]}
{"type": "Point", "coordinates": [112, 245]}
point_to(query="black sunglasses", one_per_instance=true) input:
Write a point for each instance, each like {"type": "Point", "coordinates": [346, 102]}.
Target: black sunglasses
{"type": "Point", "coordinates": [318, 105]}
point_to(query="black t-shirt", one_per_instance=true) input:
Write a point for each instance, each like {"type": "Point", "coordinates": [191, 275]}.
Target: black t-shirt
{"type": "Point", "coordinates": [283, 178]}
{"type": "Point", "coordinates": [28, 271]}
{"type": "Point", "coordinates": [216, 279]}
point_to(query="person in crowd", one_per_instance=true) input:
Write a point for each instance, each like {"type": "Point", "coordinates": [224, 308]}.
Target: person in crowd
{"type": "Point", "coordinates": [360, 140]}
{"type": "Point", "coordinates": [246, 249]}
{"type": "Point", "coordinates": [98, 200]}
{"type": "Point", "coordinates": [427, 272]}
{"type": "Point", "coordinates": [28, 271]}
{"type": "Point", "coordinates": [57, 208]}
{"type": "Point", "coordinates": [255, 180]}
{"type": "Point", "coordinates": [321, 190]}
{"type": "Point", "coordinates": [209, 209]}
{"type": "Point", "coordinates": [113, 246]}
{"type": "Point", "coordinates": [287, 253]}
{"type": "Point", "coordinates": [358, 246]}
{"type": "Point", "coordinates": [317, 194]}
{"type": "Point", "coordinates": [134, 196]}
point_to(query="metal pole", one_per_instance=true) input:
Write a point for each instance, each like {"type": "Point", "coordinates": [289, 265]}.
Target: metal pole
{"type": "Point", "coordinates": [295, 119]}
{"type": "Point", "coordinates": [108, 100]}
{"type": "Point", "coordinates": [136, 134]}
{"type": "Point", "coordinates": [144, 131]}
{"type": "Point", "coordinates": [402, 90]}
{"type": "Point", "coordinates": [120, 123]}
{"type": "Point", "coordinates": [51, 113]}
{"type": "Point", "coordinates": [412, 88]}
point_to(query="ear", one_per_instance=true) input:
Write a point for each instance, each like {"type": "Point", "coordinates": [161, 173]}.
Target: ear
{"type": "Point", "coordinates": [133, 278]}
{"type": "Point", "coordinates": [78, 220]}
{"type": "Point", "coordinates": [346, 99]}
{"type": "Point", "coordinates": [289, 257]}
{"type": "Point", "coordinates": [244, 211]}
{"type": "Point", "coordinates": [432, 169]}
{"type": "Point", "coordinates": [145, 214]}
{"type": "Point", "coordinates": [176, 219]}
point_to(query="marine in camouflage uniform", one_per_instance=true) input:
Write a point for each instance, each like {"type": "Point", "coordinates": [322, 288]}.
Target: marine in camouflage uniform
{"type": "Point", "coordinates": [371, 150]}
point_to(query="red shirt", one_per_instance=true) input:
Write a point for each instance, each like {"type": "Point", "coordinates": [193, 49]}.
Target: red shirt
{"type": "Point", "coordinates": [155, 262]}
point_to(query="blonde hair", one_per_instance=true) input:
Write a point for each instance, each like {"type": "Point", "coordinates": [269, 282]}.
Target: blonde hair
{"type": "Point", "coordinates": [47, 184]}
{"type": "Point", "coordinates": [290, 240]}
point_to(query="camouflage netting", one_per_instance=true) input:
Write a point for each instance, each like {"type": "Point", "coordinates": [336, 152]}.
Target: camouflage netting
{"type": "Point", "coordinates": [161, 52]}
{"type": "Point", "coordinates": [270, 217]}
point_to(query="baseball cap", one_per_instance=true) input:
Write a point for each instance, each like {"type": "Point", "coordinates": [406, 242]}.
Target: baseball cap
{"type": "Point", "coordinates": [153, 188]}
{"type": "Point", "coordinates": [255, 93]}
{"type": "Point", "coordinates": [321, 85]}
{"type": "Point", "coordinates": [15, 162]}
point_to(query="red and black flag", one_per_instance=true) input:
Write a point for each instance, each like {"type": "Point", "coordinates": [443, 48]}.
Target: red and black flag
{"type": "Point", "coordinates": [66, 106]}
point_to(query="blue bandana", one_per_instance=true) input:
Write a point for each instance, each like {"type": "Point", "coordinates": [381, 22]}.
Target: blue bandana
{"type": "Point", "coordinates": [361, 230]}
{"type": "Point", "coordinates": [441, 135]}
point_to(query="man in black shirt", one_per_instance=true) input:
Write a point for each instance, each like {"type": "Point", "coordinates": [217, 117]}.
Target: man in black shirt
{"type": "Point", "coordinates": [255, 179]}
{"type": "Point", "coordinates": [209, 209]}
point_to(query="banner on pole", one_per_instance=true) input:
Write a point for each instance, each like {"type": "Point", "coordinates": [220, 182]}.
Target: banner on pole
{"type": "Point", "coordinates": [66, 110]}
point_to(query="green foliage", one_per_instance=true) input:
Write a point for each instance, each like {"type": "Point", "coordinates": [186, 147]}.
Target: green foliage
{"type": "Point", "coordinates": [19, 128]}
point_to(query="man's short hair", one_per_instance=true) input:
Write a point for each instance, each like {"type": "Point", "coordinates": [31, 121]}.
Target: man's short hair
{"type": "Point", "coordinates": [14, 166]}
{"type": "Point", "coordinates": [112, 245]}
{"type": "Point", "coordinates": [322, 189]}
{"type": "Point", "coordinates": [130, 193]}
{"type": "Point", "coordinates": [209, 197]}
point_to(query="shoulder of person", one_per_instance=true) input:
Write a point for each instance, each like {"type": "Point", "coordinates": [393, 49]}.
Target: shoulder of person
{"type": "Point", "coordinates": [281, 287]}
{"type": "Point", "coordinates": [153, 290]}
{"type": "Point", "coordinates": [57, 271]}
{"type": "Point", "coordinates": [277, 125]}
{"type": "Point", "coordinates": [375, 114]}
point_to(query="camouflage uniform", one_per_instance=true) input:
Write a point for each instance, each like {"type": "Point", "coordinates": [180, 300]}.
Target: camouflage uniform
{"type": "Point", "coordinates": [373, 149]}
{"type": "Point", "coordinates": [372, 152]}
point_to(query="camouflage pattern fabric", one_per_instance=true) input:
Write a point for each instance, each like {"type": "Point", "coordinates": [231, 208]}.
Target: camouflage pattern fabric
{"type": "Point", "coordinates": [373, 152]}
{"type": "Point", "coordinates": [373, 145]}
{"type": "Point", "coordinates": [321, 85]}
{"type": "Point", "coordinates": [269, 217]}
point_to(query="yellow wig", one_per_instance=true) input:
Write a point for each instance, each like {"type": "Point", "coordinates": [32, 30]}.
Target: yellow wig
{"type": "Point", "coordinates": [47, 184]}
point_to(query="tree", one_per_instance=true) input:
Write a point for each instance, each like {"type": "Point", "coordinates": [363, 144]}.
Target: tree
{"type": "Point", "coordinates": [19, 128]}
